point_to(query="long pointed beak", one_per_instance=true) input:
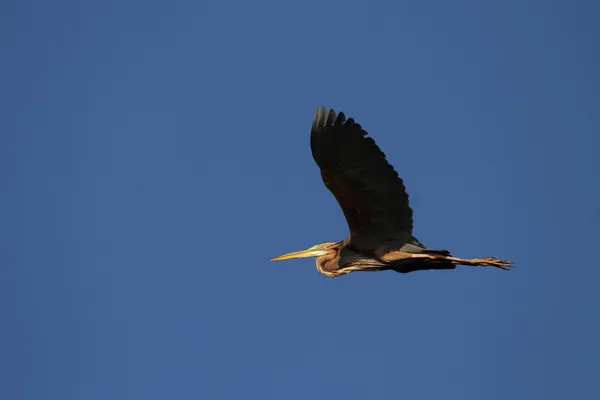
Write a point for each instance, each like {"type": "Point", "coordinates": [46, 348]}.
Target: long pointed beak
{"type": "Point", "coordinates": [300, 254]}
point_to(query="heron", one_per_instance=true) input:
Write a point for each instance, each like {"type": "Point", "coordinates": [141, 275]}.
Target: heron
{"type": "Point", "coordinates": [375, 204]}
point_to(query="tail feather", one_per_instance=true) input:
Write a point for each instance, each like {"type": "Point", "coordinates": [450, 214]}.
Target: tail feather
{"type": "Point", "coordinates": [422, 249]}
{"type": "Point", "coordinates": [437, 252]}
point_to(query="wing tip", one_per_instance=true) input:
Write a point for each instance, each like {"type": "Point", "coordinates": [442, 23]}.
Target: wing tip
{"type": "Point", "coordinates": [324, 117]}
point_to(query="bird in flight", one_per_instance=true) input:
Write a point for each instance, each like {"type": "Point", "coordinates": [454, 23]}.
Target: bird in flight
{"type": "Point", "coordinates": [375, 204]}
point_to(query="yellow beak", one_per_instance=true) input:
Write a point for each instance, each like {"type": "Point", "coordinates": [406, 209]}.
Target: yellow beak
{"type": "Point", "coordinates": [312, 252]}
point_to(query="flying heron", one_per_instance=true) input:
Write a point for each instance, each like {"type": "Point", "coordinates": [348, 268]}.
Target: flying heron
{"type": "Point", "coordinates": [375, 204]}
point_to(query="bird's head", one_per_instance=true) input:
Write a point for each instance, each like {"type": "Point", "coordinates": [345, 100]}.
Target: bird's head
{"type": "Point", "coordinates": [315, 251]}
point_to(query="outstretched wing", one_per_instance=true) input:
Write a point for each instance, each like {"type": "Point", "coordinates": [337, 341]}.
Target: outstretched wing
{"type": "Point", "coordinates": [368, 189]}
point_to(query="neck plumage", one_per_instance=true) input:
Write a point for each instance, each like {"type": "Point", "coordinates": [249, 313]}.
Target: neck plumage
{"type": "Point", "coordinates": [328, 264]}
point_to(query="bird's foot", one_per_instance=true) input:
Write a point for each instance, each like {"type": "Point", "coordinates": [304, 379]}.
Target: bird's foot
{"type": "Point", "coordinates": [492, 262]}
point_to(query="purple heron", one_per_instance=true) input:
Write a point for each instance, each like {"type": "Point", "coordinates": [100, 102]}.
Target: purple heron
{"type": "Point", "coordinates": [375, 203]}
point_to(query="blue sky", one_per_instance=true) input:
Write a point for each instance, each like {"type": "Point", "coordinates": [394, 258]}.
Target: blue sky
{"type": "Point", "coordinates": [156, 154]}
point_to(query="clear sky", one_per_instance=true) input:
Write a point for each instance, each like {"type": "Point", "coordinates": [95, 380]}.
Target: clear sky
{"type": "Point", "coordinates": [155, 154]}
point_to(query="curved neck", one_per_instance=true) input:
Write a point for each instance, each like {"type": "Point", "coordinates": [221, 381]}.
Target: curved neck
{"type": "Point", "coordinates": [328, 264]}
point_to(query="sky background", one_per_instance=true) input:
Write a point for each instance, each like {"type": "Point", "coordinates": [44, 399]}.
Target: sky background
{"type": "Point", "coordinates": [155, 154]}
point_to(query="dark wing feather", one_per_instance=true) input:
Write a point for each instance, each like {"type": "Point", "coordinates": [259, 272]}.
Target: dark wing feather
{"type": "Point", "coordinates": [368, 189]}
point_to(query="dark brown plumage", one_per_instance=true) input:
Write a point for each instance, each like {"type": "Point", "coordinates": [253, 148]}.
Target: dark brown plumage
{"type": "Point", "coordinates": [368, 189]}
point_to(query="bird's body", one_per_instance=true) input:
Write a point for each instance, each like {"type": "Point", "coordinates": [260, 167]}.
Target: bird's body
{"type": "Point", "coordinates": [343, 259]}
{"type": "Point", "coordinates": [375, 204]}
